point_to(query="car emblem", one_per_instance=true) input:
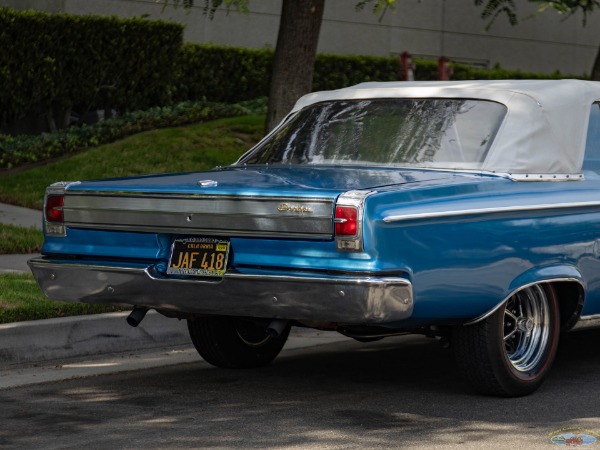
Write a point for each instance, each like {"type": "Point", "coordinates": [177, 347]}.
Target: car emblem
{"type": "Point", "coordinates": [207, 183]}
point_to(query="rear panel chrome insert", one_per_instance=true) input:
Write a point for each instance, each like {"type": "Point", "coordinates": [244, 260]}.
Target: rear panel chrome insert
{"type": "Point", "coordinates": [204, 215]}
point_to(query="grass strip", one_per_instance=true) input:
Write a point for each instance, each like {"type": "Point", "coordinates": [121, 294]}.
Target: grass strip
{"type": "Point", "coordinates": [20, 240]}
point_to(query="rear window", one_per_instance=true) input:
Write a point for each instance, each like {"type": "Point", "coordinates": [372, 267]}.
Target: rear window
{"type": "Point", "coordinates": [437, 133]}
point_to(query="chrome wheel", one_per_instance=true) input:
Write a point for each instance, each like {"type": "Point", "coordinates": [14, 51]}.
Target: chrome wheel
{"type": "Point", "coordinates": [526, 328]}
{"type": "Point", "coordinates": [510, 352]}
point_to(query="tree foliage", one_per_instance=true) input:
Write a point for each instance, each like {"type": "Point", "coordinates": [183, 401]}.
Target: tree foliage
{"type": "Point", "coordinates": [210, 6]}
{"type": "Point", "coordinates": [493, 8]}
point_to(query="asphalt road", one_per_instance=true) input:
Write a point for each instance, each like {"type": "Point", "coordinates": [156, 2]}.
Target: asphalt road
{"type": "Point", "coordinates": [397, 393]}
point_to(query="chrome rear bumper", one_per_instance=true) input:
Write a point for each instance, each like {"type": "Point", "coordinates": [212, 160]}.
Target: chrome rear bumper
{"type": "Point", "coordinates": [348, 300]}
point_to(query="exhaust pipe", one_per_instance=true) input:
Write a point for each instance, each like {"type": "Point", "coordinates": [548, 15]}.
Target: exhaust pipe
{"type": "Point", "coordinates": [136, 316]}
{"type": "Point", "coordinates": [276, 327]}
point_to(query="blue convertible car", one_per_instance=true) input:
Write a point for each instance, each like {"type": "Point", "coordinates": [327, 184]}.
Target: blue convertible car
{"type": "Point", "coordinates": [466, 210]}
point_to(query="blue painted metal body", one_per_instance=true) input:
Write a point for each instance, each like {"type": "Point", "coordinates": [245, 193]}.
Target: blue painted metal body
{"type": "Point", "coordinates": [492, 238]}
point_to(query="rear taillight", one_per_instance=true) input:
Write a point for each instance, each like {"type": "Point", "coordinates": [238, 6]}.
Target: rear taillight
{"type": "Point", "coordinates": [346, 221]}
{"type": "Point", "coordinates": [53, 209]}
{"type": "Point", "coordinates": [54, 204]}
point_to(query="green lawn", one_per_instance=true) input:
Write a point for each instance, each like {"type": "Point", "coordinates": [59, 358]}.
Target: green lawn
{"type": "Point", "coordinates": [189, 148]}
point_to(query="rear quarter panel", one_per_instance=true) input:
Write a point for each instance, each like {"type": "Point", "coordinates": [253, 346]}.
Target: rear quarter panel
{"type": "Point", "coordinates": [467, 247]}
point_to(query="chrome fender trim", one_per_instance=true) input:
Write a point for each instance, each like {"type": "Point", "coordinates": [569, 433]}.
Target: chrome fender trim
{"type": "Point", "coordinates": [520, 288]}
{"type": "Point", "coordinates": [491, 210]}
{"type": "Point", "coordinates": [587, 322]}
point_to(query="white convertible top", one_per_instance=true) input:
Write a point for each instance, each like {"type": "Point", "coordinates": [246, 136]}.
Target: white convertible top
{"type": "Point", "coordinates": [544, 131]}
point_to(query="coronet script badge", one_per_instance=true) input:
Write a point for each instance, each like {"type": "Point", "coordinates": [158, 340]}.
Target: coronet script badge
{"type": "Point", "coordinates": [299, 209]}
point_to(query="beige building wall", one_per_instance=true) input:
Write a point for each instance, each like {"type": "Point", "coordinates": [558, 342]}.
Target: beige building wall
{"type": "Point", "coordinates": [543, 43]}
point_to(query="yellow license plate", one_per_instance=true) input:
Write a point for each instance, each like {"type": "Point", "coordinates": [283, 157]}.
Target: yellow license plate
{"type": "Point", "coordinates": [204, 257]}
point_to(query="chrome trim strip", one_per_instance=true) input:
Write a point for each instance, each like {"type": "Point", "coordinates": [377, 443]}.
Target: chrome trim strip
{"type": "Point", "coordinates": [496, 210]}
{"type": "Point", "coordinates": [587, 322]}
{"type": "Point", "coordinates": [511, 176]}
{"type": "Point", "coordinates": [520, 288]}
{"type": "Point", "coordinates": [361, 299]}
{"type": "Point", "coordinates": [202, 231]}
{"type": "Point", "coordinates": [457, 170]}
{"type": "Point", "coordinates": [203, 195]}
{"type": "Point", "coordinates": [546, 176]}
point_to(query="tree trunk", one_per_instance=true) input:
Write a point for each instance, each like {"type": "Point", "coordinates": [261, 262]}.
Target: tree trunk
{"type": "Point", "coordinates": [295, 54]}
{"type": "Point", "coordinates": [596, 69]}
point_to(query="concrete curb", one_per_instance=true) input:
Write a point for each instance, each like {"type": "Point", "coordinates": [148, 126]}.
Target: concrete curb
{"type": "Point", "coordinates": [74, 337]}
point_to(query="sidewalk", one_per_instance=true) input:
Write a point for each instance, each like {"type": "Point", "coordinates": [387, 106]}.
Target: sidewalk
{"type": "Point", "coordinates": [15, 263]}
{"type": "Point", "coordinates": [22, 217]}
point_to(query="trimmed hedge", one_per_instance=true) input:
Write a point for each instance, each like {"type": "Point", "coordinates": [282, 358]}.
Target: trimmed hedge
{"type": "Point", "coordinates": [223, 74]}
{"type": "Point", "coordinates": [338, 71]}
{"type": "Point", "coordinates": [50, 63]}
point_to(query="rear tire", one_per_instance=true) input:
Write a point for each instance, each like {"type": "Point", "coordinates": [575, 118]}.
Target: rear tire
{"type": "Point", "coordinates": [235, 342]}
{"type": "Point", "coordinates": [509, 353]}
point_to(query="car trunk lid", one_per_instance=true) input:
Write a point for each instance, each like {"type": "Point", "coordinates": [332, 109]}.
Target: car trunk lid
{"type": "Point", "coordinates": [280, 202]}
